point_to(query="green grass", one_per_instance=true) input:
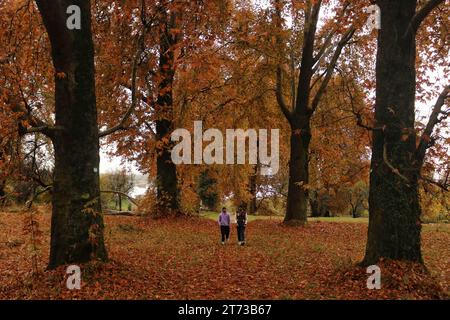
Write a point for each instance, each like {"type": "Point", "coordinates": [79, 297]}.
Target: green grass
{"type": "Point", "coordinates": [438, 227]}
{"type": "Point", "coordinates": [214, 215]}
{"type": "Point", "coordinates": [111, 204]}
{"type": "Point", "coordinates": [344, 219]}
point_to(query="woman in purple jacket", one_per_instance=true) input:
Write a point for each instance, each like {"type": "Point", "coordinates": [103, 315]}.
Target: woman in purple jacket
{"type": "Point", "coordinates": [224, 223]}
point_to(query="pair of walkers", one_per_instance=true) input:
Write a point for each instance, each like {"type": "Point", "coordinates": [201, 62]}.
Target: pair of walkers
{"type": "Point", "coordinates": [225, 225]}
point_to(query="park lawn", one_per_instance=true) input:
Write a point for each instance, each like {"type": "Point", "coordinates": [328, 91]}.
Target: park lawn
{"type": "Point", "coordinates": [211, 215]}
{"type": "Point", "coordinates": [341, 219]}
{"type": "Point", "coordinates": [111, 204]}
{"type": "Point", "coordinates": [183, 259]}
{"type": "Point", "coordinates": [214, 216]}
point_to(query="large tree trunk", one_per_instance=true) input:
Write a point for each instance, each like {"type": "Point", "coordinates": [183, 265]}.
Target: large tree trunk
{"type": "Point", "coordinates": [166, 180]}
{"type": "Point", "coordinates": [394, 223]}
{"type": "Point", "coordinates": [297, 200]}
{"type": "Point", "coordinates": [253, 189]}
{"type": "Point", "coordinates": [77, 223]}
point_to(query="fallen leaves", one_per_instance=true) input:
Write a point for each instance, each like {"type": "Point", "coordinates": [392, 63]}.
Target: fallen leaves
{"type": "Point", "coordinates": [182, 259]}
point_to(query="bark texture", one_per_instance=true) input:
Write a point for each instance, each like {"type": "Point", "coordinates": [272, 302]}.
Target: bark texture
{"type": "Point", "coordinates": [77, 222]}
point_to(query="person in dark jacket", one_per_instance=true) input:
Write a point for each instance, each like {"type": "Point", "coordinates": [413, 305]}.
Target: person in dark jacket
{"type": "Point", "coordinates": [241, 221]}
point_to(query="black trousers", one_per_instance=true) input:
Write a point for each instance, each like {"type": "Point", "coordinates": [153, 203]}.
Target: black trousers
{"type": "Point", "coordinates": [225, 231]}
{"type": "Point", "coordinates": [241, 233]}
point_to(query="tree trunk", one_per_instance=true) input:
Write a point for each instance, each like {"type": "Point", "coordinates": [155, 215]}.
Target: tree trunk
{"type": "Point", "coordinates": [77, 223]}
{"type": "Point", "coordinates": [2, 193]}
{"type": "Point", "coordinates": [394, 221]}
{"type": "Point", "coordinates": [297, 200]}
{"type": "Point", "coordinates": [253, 190]}
{"type": "Point", "coordinates": [305, 103]}
{"type": "Point", "coordinates": [166, 180]}
{"type": "Point", "coordinates": [353, 211]}
{"type": "Point", "coordinates": [314, 204]}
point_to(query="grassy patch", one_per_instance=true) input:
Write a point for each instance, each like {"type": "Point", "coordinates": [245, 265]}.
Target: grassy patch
{"type": "Point", "coordinates": [214, 216]}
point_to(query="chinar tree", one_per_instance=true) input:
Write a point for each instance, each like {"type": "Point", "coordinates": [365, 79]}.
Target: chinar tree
{"type": "Point", "coordinates": [77, 223]}
{"type": "Point", "coordinates": [317, 66]}
{"type": "Point", "coordinates": [397, 153]}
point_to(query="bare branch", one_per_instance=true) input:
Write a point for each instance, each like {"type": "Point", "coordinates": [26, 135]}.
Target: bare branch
{"type": "Point", "coordinates": [329, 73]}
{"type": "Point", "coordinates": [325, 46]}
{"type": "Point", "coordinates": [307, 60]}
{"type": "Point", "coordinates": [356, 113]}
{"type": "Point", "coordinates": [42, 129]}
{"type": "Point", "coordinates": [330, 36]}
{"type": "Point", "coordinates": [421, 15]}
{"type": "Point", "coordinates": [393, 169]}
{"type": "Point", "coordinates": [219, 107]}
{"type": "Point", "coordinates": [29, 203]}
{"type": "Point", "coordinates": [134, 201]}
{"type": "Point", "coordinates": [280, 98]}
{"type": "Point", "coordinates": [444, 186]}
{"type": "Point", "coordinates": [132, 108]}
{"type": "Point", "coordinates": [279, 86]}
{"type": "Point", "coordinates": [432, 122]}
{"type": "Point", "coordinates": [36, 125]}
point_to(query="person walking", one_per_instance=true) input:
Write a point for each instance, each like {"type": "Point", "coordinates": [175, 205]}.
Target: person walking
{"type": "Point", "coordinates": [224, 223]}
{"type": "Point", "coordinates": [241, 221]}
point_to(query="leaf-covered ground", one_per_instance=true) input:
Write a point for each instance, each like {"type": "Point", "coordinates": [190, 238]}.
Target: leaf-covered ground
{"type": "Point", "coordinates": [167, 259]}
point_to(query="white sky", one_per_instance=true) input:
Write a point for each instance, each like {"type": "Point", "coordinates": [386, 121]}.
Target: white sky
{"type": "Point", "coordinates": [110, 164]}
